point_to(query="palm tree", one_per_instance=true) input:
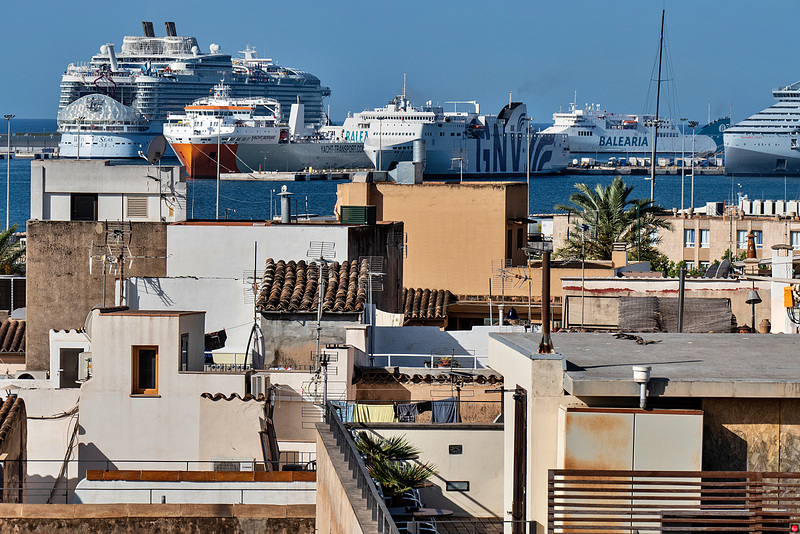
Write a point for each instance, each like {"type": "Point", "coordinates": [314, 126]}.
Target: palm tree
{"type": "Point", "coordinates": [388, 462]}
{"type": "Point", "coordinates": [606, 216]}
{"type": "Point", "coordinates": [12, 253]}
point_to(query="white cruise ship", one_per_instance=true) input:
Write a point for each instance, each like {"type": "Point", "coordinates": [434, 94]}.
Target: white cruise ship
{"type": "Point", "coordinates": [596, 133]}
{"type": "Point", "coordinates": [461, 143]}
{"type": "Point", "coordinates": [767, 143]}
{"type": "Point", "coordinates": [156, 76]}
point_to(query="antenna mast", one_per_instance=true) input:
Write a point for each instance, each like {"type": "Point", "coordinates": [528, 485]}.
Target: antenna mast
{"type": "Point", "coordinates": [655, 123]}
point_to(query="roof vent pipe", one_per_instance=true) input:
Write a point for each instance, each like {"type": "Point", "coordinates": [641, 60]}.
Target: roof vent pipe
{"type": "Point", "coordinates": [641, 375]}
{"type": "Point", "coordinates": [286, 205]}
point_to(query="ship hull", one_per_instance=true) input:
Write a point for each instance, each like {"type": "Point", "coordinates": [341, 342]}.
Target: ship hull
{"type": "Point", "coordinates": [766, 155]}
{"type": "Point", "coordinates": [104, 145]}
{"type": "Point", "coordinates": [499, 156]}
{"type": "Point", "coordinates": [200, 159]}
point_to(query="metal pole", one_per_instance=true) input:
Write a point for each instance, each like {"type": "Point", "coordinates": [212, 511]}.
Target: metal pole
{"type": "Point", "coordinates": [583, 279]}
{"type": "Point", "coordinates": [8, 172]}
{"type": "Point", "coordinates": [546, 344]}
{"type": "Point", "coordinates": [683, 159]}
{"type": "Point", "coordinates": [528, 161]}
{"type": "Point", "coordinates": [655, 123]}
{"type": "Point", "coordinates": [692, 204]}
{"type": "Point", "coordinates": [219, 125]}
{"type": "Point", "coordinates": [681, 285]}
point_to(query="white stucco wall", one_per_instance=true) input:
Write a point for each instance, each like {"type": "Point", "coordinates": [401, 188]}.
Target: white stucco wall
{"type": "Point", "coordinates": [273, 493]}
{"type": "Point", "coordinates": [225, 301]}
{"type": "Point", "coordinates": [120, 426]}
{"type": "Point", "coordinates": [54, 181]}
{"type": "Point", "coordinates": [480, 463]}
{"type": "Point", "coordinates": [226, 250]}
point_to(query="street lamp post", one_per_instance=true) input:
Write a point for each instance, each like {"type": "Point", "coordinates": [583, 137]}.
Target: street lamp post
{"type": "Point", "coordinates": [692, 125]}
{"type": "Point", "coordinates": [528, 160]}
{"type": "Point", "coordinates": [219, 127]}
{"type": "Point", "coordinates": [683, 159]}
{"type": "Point", "coordinates": [8, 171]}
{"type": "Point", "coordinates": [80, 122]}
{"type": "Point", "coordinates": [584, 227]}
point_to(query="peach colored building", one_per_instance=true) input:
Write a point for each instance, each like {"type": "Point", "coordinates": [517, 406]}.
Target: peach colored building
{"type": "Point", "coordinates": [456, 237]}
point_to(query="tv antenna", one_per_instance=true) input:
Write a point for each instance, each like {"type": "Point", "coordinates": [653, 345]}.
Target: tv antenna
{"type": "Point", "coordinates": [372, 268]}
{"type": "Point", "coordinates": [250, 280]}
{"type": "Point", "coordinates": [155, 151]}
{"type": "Point", "coordinates": [322, 252]}
{"type": "Point", "coordinates": [500, 271]}
{"type": "Point", "coordinates": [113, 252]}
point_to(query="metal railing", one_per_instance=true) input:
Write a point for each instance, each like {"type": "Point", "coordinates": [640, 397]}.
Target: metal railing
{"type": "Point", "coordinates": [441, 361]}
{"type": "Point", "coordinates": [672, 501]}
{"type": "Point", "coordinates": [375, 502]}
{"type": "Point", "coordinates": [40, 474]}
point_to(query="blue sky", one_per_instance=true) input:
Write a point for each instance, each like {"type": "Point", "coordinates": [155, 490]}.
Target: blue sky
{"type": "Point", "coordinates": [726, 53]}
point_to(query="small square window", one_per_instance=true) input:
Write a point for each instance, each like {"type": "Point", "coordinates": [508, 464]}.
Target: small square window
{"type": "Point", "coordinates": [145, 370]}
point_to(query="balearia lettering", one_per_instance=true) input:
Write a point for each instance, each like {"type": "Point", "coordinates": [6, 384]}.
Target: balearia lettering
{"type": "Point", "coordinates": [358, 136]}
{"type": "Point", "coordinates": [623, 141]}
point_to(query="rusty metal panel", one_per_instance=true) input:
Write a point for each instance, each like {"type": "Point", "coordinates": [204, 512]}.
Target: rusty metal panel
{"type": "Point", "coordinates": [595, 440]}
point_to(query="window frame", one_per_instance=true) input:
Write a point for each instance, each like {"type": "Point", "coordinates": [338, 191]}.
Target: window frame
{"type": "Point", "coordinates": [707, 233]}
{"type": "Point", "coordinates": [792, 235]}
{"type": "Point", "coordinates": [135, 358]}
{"type": "Point", "coordinates": [686, 242]}
{"type": "Point", "coordinates": [183, 364]}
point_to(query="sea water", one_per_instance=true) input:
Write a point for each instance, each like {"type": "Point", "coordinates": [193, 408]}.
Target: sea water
{"type": "Point", "coordinates": [251, 200]}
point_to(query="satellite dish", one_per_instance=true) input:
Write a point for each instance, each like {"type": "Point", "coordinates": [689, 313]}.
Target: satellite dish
{"type": "Point", "coordinates": [156, 149]}
{"type": "Point", "coordinates": [214, 48]}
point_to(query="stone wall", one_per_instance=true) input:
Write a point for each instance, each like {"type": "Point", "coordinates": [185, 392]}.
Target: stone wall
{"type": "Point", "coordinates": [751, 435]}
{"type": "Point", "coordinates": [60, 288]}
{"type": "Point", "coordinates": [157, 518]}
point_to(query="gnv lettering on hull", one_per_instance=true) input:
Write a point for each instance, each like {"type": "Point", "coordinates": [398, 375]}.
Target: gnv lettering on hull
{"type": "Point", "coordinates": [620, 141]}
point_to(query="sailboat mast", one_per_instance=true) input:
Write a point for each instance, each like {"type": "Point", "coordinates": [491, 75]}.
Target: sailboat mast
{"type": "Point", "coordinates": [655, 123]}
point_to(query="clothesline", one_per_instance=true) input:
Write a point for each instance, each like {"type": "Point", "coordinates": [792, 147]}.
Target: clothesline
{"type": "Point", "coordinates": [443, 411]}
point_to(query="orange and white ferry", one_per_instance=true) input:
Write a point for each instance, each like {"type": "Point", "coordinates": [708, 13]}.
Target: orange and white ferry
{"type": "Point", "coordinates": [233, 128]}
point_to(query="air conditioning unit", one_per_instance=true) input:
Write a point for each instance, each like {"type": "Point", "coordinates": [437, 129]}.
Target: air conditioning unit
{"type": "Point", "coordinates": [233, 464]}
{"type": "Point", "coordinates": [84, 366]}
{"type": "Point", "coordinates": [259, 383]}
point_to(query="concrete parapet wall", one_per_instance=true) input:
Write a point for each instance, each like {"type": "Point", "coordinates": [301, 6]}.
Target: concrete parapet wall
{"type": "Point", "coordinates": [173, 518]}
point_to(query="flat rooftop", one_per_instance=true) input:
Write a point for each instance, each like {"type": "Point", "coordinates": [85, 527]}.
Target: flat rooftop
{"type": "Point", "coordinates": [683, 365]}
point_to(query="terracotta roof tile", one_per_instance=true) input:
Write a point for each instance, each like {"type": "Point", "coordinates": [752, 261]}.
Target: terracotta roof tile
{"type": "Point", "coordinates": [12, 336]}
{"type": "Point", "coordinates": [426, 303]}
{"type": "Point", "coordinates": [292, 287]}
{"type": "Point", "coordinates": [13, 408]}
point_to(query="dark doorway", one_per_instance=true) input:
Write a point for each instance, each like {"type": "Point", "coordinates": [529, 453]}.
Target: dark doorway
{"type": "Point", "coordinates": [84, 206]}
{"type": "Point", "coordinates": [520, 460]}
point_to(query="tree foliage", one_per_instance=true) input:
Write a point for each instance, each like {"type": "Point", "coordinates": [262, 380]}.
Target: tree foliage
{"type": "Point", "coordinates": [606, 215]}
{"type": "Point", "coordinates": [12, 253]}
{"type": "Point", "coordinates": [391, 461]}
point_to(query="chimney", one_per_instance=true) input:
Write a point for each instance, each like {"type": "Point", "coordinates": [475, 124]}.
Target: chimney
{"type": "Point", "coordinates": [148, 29]}
{"type": "Point", "coordinates": [170, 27]}
{"type": "Point", "coordinates": [286, 205]}
{"type": "Point", "coordinates": [619, 255]}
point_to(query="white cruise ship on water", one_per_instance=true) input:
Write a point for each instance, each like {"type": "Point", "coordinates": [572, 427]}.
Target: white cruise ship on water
{"type": "Point", "coordinates": [249, 136]}
{"type": "Point", "coordinates": [596, 133]}
{"type": "Point", "coordinates": [155, 76]}
{"type": "Point", "coordinates": [767, 143]}
{"type": "Point", "coordinates": [461, 143]}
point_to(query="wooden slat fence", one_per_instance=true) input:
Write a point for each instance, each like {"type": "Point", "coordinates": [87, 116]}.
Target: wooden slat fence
{"type": "Point", "coordinates": [581, 501]}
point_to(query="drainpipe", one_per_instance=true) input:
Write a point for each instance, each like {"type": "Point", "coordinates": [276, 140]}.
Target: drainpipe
{"type": "Point", "coordinates": [681, 286]}
{"type": "Point", "coordinates": [641, 375]}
